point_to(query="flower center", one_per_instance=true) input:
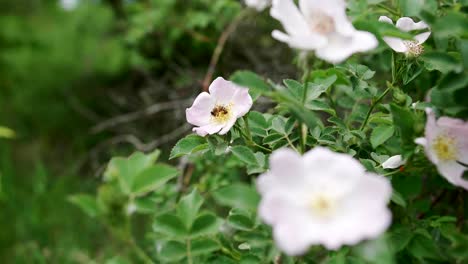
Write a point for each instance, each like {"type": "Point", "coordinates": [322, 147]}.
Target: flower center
{"type": "Point", "coordinates": [414, 48]}
{"type": "Point", "coordinates": [221, 113]}
{"type": "Point", "coordinates": [444, 148]}
{"type": "Point", "coordinates": [321, 23]}
{"type": "Point", "coordinates": [321, 205]}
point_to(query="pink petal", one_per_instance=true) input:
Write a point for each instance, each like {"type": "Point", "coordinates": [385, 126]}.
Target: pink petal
{"type": "Point", "coordinates": [209, 129]}
{"type": "Point", "coordinates": [199, 114]}
{"type": "Point", "coordinates": [453, 172]}
{"type": "Point", "coordinates": [227, 126]}
{"type": "Point", "coordinates": [396, 44]}
{"type": "Point", "coordinates": [287, 168]}
{"type": "Point", "coordinates": [222, 91]}
{"type": "Point", "coordinates": [241, 102]}
{"type": "Point", "coordinates": [303, 42]}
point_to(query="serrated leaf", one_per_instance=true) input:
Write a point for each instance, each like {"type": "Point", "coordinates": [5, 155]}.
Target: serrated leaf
{"type": "Point", "coordinates": [152, 178]}
{"type": "Point", "coordinates": [205, 224]}
{"type": "Point", "coordinates": [238, 195]}
{"type": "Point", "coordinates": [244, 154]}
{"type": "Point", "coordinates": [257, 86]}
{"type": "Point", "coordinates": [170, 225]}
{"type": "Point", "coordinates": [173, 251]}
{"type": "Point", "coordinates": [87, 203]}
{"type": "Point", "coordinates": [381, 134]}
{"type": "Point", "coordinates": [398, 199]}
{"type": "Point", "coordinates": [240, 222]}
{"type": "Point", "coordinates": [188, 208]}
{"type": "Point", "coordinates": [204, 246]}
{"type": "Point", "coordinates": [188, 145]}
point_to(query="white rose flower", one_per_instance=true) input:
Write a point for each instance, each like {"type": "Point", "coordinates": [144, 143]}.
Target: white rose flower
{"type": "Point", "coordinates": [217, 111]}
{"type": "Point", "coordinates": [409, 47]}
{"type": "Point", "coordinates": [322, 198]}
{"type": "Point", "coordinates": [446, 145]}
{"type": "Point", "coordinates": [393, 162]}
{"type": "Point", "coordinates": [321, 26]}
{"type": "Point", "coordinates": [259, 5]}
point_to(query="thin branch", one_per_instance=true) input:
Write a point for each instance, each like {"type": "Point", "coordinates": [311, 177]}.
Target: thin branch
{"type": "Point", "coordinates": [130, 117]}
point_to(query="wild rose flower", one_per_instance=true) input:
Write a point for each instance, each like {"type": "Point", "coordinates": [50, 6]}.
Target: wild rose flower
{"type": "Point", "coordinates": [259, 5]}
{"type": "Point", "coordinates": [409, 47]}
{"type": "Point", "coordinates": [446, 145]}
{"type": "Point", "coordinates": [393, 162]}
{"type": "Point", "coordinates": [323, 198]}
{"type": "Point", "coordinates": [217, 111]}
{"type": "Point", "coordinates": [321, 26]}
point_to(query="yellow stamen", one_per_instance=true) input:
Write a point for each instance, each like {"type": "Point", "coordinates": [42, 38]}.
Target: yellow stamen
{"type": "Point", "coordinates": [414, 48]}
{"type": "Point", "coordinates": [445, 148]}
{"type": "Point", "coordinates": [321, 205]}
{"type": "Point", "coordinates": [221, 113]}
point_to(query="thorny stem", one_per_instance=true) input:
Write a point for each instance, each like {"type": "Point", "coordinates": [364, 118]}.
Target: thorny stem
{"type": "Point", "coordinates": [248, 137]}
{"type": "Point", "coordinates": [303, 126]}
{"type": "Point", "coordinates": [373, 105]}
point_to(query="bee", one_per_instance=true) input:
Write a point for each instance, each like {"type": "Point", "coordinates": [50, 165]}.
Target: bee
{"type": "Point", "coordinates": [219, 111]}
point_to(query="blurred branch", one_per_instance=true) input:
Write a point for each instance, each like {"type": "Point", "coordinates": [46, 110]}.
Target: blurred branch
{"type": "Point", "coordinates": [219, 48]}
{"type": "Point", "coordinates": [129, 117]}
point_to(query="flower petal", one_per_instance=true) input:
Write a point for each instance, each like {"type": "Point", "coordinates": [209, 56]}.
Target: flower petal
{"type": "Point", "coordinates": [421, 38]}
{"type": "Point", "coordinates": [396, 44]}
{"type": "Point", "coordinates": [393, 162]}
{"type": "Point", "coordinates": [385, 19]}
{"type": "Point", "coordinates": [340, 48]}
{"type": "Point", "coordinates": [453, 173]}
{"type": "Point", "coordinates": [222, 91]}
{"type": "Point", "coordinates": [336, 9]}
{"type": "Point", "coordinates": [407, 24]}
{"type": "Point", "coordinates": [228, 125]}
{"type": "Point", "coordinates": [199, 113]}
{"type": "Point", "coordinates": [287, 167]}
{"type": "Point", "coordinates": [241, 102]}
{"type": "Point", "coordinates": [302, 42]}
{"type": "Point", "coordinates": [288, 14]}
{"type": "Point", "coordinates": [209, 129]}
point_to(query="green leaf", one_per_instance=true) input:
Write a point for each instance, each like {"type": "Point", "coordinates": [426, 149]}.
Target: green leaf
{"type": "Point", "coordinates": [188, 207]}
{"type": "Point", "coordinates": [170, 225]}
{"type": "Point", "coordinates": [205, 224]}
{"type": "Point", "coordinates": [423, 247]}
{"type": "Point", "coordinates": [314, 90]}
{"type": "Point", "coordinates": [237, 195]}
{"type": "Point", "coordinates": [295, 88]}
{"type": "Point", "coordinates": [173, 251]}
{"type": "Point", "coordinates": [5, 132]}
{"type": "Point", "coordinates": [381, 134]}
{"type": "Point", "coordinates": [87, 203]}
{"type": "Point", "coordinates": [153, 178]}
{"type": "Point", "coordinates": [442, 62]}
{"type": "Point", "coordinates": [404, 122]}
{"type": "Point", "coordinates": [244, 154]}
{"type": "Point", "coordinates": [188, 145]}
{"type": "Point", "coordinates": [239, 220]}
{"type": "Point", "coordinates": [204, 246]}
{"type": "Point", "coordinates": [257, 86]}
{"type": "Point", "coordinates": [398, 199]}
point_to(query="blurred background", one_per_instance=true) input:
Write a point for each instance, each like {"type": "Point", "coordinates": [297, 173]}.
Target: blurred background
{"type": "Point", "coordinates": [84, 80]}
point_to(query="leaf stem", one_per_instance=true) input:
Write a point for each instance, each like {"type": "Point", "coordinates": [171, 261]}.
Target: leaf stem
{"type": "Point", "coordinates": [189, 252]}
{"type": "Point", "coordinates": [373, 105]}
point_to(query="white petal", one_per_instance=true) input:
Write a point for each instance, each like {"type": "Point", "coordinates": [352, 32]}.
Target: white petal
{"type": "Point", "coordinates": [385, 19]}
{"type": "Point", "coordinates": [259, 5]}
{"type": "Point", "coordinates": [199, 114]}
{"type": "Point", "coordinates": [421, 141]}
{"type": "Point", "coordinates": [209, 129]}
{"type": "Point", "coordinates": [287, 168]}
{"type": "Point", "coordinates": [407, 24]}
{"type": "Point", "coordinates": [337, 177]}
{"type": "Point", "coordinates": [421, 38]}
{"type": "Point", "coordinates": [336, 9]}
{"type": "Point", "coordinates": [308, 41]}
{"type": "Point", "coordinates": [288, 14]}
{"type": "Point", "coordinates": [340, 48]}
{"type": "Point", "coordinates": [453, 172]}
{"type": "Point", "coordinates": [228, 125]}
{"type": "Point", "coordinates": [396, 44]}
{"type": "Point", "coordinates": [222, 91]}
{"type": "Point", "coordinates": [393, 162]}
{"type": "Point", "coordinates": [241, 102]}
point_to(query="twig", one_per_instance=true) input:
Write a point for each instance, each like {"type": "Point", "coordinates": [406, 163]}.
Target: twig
{"type": "Point", "coordinates": [219, 49]}
{"type": "Point", "coordinates": [129, 117]}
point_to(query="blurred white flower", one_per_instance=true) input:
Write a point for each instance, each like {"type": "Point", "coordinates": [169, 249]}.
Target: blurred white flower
{"type": "Point", "coordinates": [217, 111]}
{"type": "Point", "coordinates": [409, 47]}
{"type": "Point", "coordinates": [131, 208]}
{"type": "Point", "coordinates": [321, 26]}
{"type": "Point", "coordinates": [393, 162]}
{"type": "Point", "coordinates": [259, 5]}
{"type": "Point", "coordinates": [69, 4]}
{"type": "Point", "coordinates": [322, 198]}
{"type": "Point", "coordinates": [446, 145]}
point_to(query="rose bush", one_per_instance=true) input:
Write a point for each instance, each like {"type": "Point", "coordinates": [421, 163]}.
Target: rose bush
{"type": "Point", "coordinates": [361, 160]}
